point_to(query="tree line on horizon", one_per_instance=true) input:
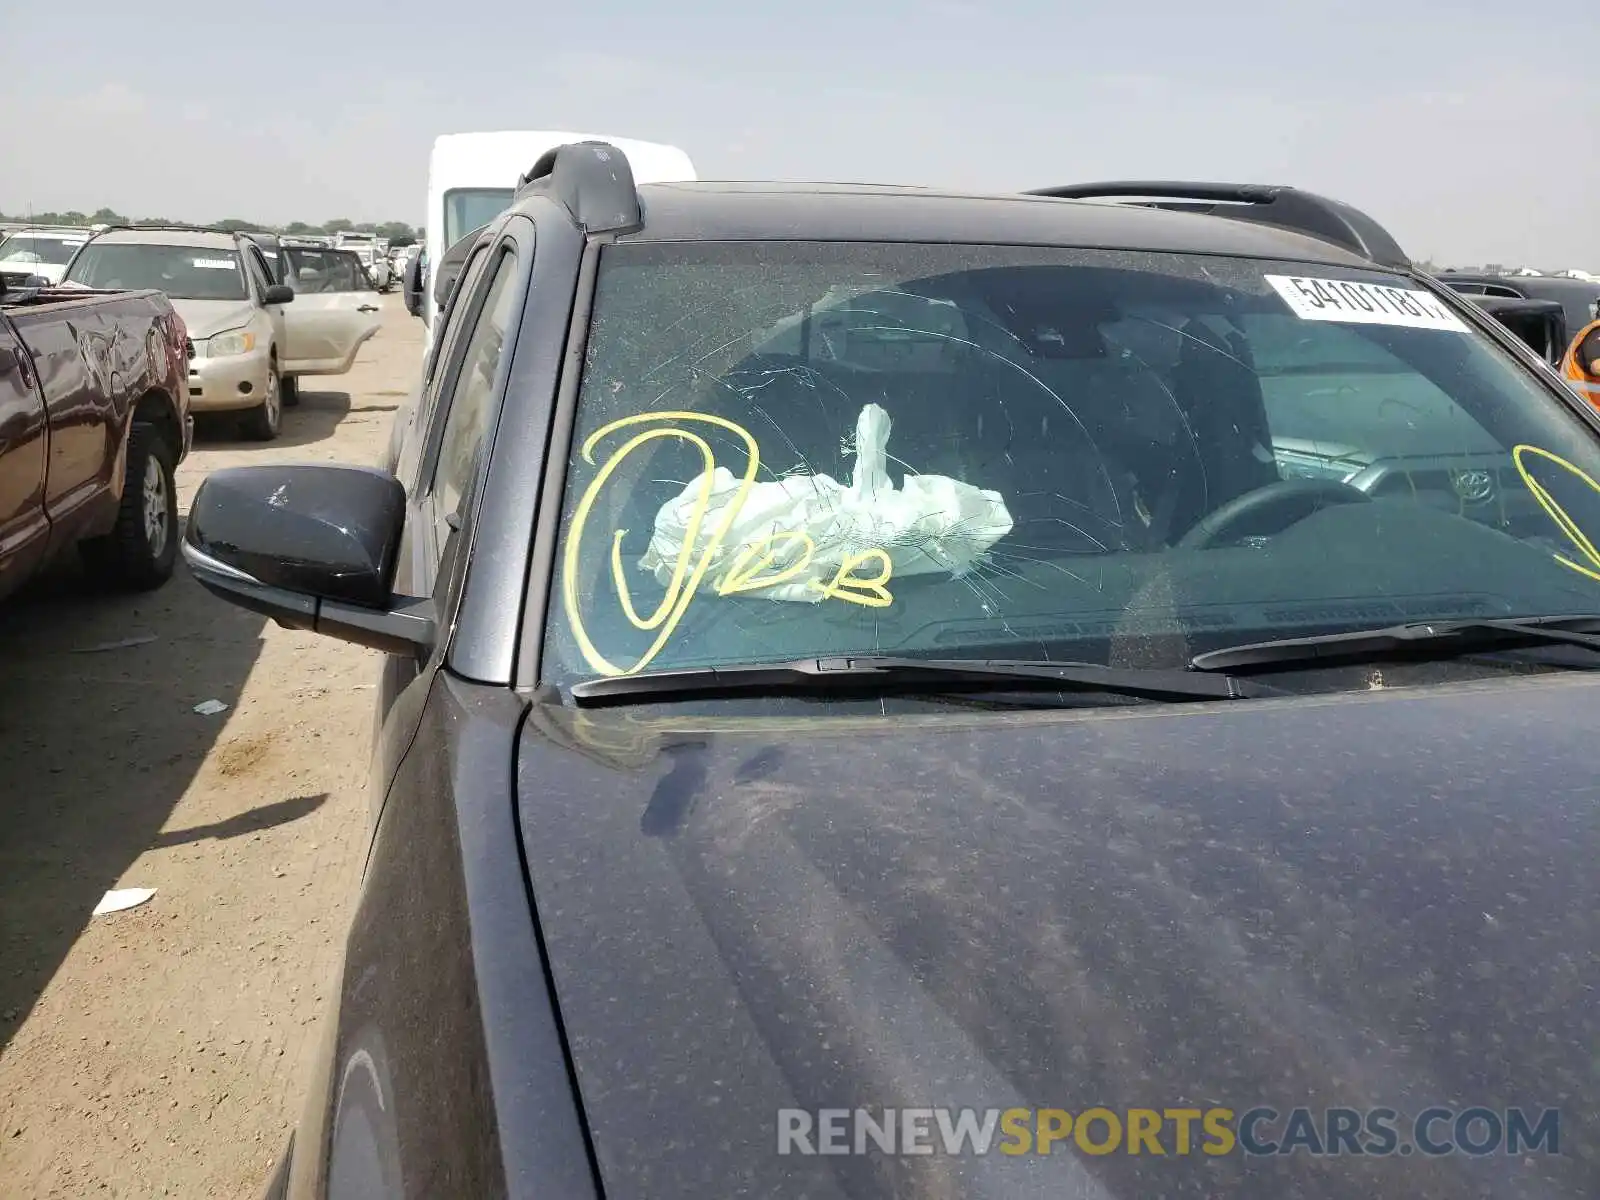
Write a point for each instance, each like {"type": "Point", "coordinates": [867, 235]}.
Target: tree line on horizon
{"type": "Point", "coordinates": [397, 232]}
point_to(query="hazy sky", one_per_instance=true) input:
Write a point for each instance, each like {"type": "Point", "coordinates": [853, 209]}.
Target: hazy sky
{"type": "Point", "coordinates": [1453, 123]}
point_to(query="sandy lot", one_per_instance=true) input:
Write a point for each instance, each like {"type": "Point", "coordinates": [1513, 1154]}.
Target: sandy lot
{"type": "Point", "coordinates": [160, 1051]}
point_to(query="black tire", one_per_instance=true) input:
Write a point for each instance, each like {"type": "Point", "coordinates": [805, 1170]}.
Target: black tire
{"type": "Point", "coordinates": [289, 391]}
{"type": "Point", "coordinates": [263, 422]}
{"type": "Point", "coordinates": [141, 550]}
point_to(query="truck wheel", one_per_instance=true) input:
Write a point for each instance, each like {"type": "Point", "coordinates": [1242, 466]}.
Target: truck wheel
{"type": "Point", "coordinates": [289, 390]}
{"type": "Point", "coordinates": [142, 548]}
{"type": "Point", "coordinates": [261, 423]}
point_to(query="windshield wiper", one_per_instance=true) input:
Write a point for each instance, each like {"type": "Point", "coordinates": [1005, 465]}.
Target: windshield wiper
{"type": "Point", "coordinates": [877, 674]}
{"type": "Point", "coordinates": [1417, 639]}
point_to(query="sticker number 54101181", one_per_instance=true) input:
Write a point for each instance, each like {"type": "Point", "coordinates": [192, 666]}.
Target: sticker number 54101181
{"type": "Point", "coordinates": [1363, 303]}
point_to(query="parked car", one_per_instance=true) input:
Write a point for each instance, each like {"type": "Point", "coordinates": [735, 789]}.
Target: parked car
{"type": "Point", "coordinates": [400, 259]}
{"type": "Point", "coordinates": [94, 419]}
{"type": "Point", "coordinates": [1579, 298]}
{"type": "Point", "coordinates": [1542, 324]}
{"type": "Point", "coordinates": [39, 252]}
{"type": "Point", "coordinates": [375, 263]}
{"type": "Point", "coordinates": [252, 343]}
{"type": "Point", "coordinates": [857, 648]}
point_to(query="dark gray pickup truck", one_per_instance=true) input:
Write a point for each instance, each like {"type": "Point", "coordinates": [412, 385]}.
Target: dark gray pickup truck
{"type": "Point", "coordinates": [94, 418]}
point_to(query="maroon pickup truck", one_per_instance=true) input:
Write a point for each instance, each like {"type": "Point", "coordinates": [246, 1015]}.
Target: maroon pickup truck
{"type": "Point", "coordinates": [94, 417]}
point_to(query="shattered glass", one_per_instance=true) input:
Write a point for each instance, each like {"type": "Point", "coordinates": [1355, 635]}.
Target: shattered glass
{"type": "Point", "coordinates": [1113, 400]}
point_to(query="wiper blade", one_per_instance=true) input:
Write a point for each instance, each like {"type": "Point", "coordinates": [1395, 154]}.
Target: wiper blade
{"type": "Point", "coordinates": [1417, 639]}
{"type": "Point", "coordinates": [881, 673]}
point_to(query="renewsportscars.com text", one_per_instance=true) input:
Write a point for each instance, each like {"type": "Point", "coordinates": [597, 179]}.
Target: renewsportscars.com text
{"type": "Point", "coordinates": [1256, 1132]}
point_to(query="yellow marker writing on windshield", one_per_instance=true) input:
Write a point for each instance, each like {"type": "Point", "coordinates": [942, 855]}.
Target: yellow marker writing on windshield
{"type": "Point", "coordinates": [681, 589]}
{"type": "Point", "coordinates": [748, 571]}
{"type": "Point", "coordinates": [745, 573]}
{"type": "Point", "coordinates": [1558, 514]}
{"type": "Point", "coordinates": [847, 585]}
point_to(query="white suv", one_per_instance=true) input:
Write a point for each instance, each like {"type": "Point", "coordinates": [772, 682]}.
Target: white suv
{"type": "Point", "coordinates": [252, 337]}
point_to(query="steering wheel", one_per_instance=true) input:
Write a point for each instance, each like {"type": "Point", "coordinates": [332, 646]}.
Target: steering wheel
{"type": "Point", "coordinates": [1271, 508]}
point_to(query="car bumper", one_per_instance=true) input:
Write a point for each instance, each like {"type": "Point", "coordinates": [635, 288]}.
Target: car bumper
{"type": "Point", "coordinates": [231, 383]}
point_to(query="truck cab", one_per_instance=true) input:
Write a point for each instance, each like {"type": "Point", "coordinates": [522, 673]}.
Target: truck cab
{"type": "Point", "coordinates": [472, 178]}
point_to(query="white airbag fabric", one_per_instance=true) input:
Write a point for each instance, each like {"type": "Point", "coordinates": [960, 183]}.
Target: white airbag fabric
{"type": "Point", "coordinates": [931, 524]}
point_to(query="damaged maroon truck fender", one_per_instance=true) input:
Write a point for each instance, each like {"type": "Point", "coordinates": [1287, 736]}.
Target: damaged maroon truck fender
{"type": "Point", "coordinates": [94, 419]}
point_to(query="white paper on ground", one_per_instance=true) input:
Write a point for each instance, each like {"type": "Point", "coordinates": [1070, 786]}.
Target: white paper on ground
{"type": "Point", "coordinates": [116, 901]}
{"type": "Point", "coordinates": [931, 524]}
{"type": "Point", "coordinates": [210, 708]}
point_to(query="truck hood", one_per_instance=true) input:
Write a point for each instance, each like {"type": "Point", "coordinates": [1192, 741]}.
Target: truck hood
{"type": "Point", "coordinates": [206, 318]}
{"type": "Point", "coordinates": [1375, 900]}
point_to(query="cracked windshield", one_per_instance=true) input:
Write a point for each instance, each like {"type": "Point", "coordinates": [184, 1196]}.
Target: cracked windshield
{"type": "Point", "coordinates": [790, 450]}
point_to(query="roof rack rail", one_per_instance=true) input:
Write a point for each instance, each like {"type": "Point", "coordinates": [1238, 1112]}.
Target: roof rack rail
{"type": "Point", "coordinates": [592, 180]}
{"type": "Point", "coordinates": [176, 226]}
{"type": "Point", "coordinates": [1265, 204]}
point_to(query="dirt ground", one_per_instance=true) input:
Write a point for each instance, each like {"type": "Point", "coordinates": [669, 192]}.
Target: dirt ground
{"type": "Point", "coordinates": [160, 1051]}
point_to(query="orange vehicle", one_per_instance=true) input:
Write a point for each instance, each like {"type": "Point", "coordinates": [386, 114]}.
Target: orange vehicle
{"type": "Point", "coordinates": [1581, 366]}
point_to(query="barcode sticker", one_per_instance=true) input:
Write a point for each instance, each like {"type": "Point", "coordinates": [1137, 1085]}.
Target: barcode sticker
{"type": "Point", "coordinates": [1363, 303]}
{"type": "Point", "coordinates": [214, 264]}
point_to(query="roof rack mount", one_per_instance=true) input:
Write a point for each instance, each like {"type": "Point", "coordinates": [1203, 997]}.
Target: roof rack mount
{"type": "Point", "coordinates": [1264, 204]}
{"type": "Point", "coordinates": [592, 180]}
{"type": "Point", "coordinates": [175, 227]}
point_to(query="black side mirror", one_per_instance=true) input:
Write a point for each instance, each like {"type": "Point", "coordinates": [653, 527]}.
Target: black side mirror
{"type": "Point", "coordinates": [312, 547]}
{"type": "Point", "coordinates": [445, 282]}
{"type": "Point", "coordinates": [278, 293]}
{"type": "Point", "coordinates": [416, 290]}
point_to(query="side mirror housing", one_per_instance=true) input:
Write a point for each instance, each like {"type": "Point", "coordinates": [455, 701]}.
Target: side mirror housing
{"type": "Point", "coordinates": [36, 281]}
{"type": "Point", "coordinates": [278, 293]}
{"type": "Point", "coordinates": [313, 547]}
{"type": "Point", "coordinates": [444, 283]}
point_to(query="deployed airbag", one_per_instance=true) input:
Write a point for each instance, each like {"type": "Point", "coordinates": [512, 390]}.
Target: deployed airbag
{"type": "Point", "coordinates": [794, 535]}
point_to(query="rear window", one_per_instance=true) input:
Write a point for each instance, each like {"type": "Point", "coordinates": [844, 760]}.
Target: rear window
{"type": "Point", "coordinates": [794, 449]}
{"type": "Point", "coordinates": [182, 272]}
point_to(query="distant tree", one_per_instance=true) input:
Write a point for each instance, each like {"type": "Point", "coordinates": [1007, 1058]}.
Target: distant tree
{"type": "Point", "coordinates": [235, 224]}
{"type": "Point", "coordinates": [300, 228]}
{"type": "Point", "coordinates": [398, 233]}
{"type": "Point", "coordinates": [338, 225]}
{"type": "Point", "coordinates": [56, 218]}
{"type": "Point", "coordinates": [366, 227]}
{"type": "Point", "coordinates": [108, 216]}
